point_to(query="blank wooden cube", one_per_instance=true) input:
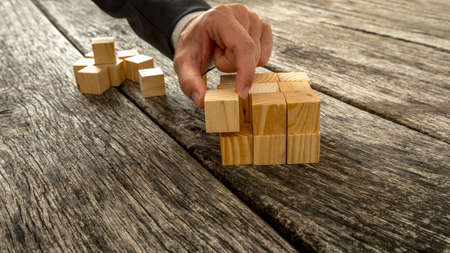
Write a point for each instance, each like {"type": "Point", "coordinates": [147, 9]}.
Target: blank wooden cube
{"type": "Point", "coordinates": [269, 149]}
{"type": "Point", "coordinates": [294, 86]}
{"type": "Point", "coordinates": [270, 87]}
{"type": "Point", "coordinates": [104, 52]}
{"type": "Point", "coordinates": [93, 80]}
{"type": "Point", "coordinates": [123, 54]}
{"type": "Point", "coordinates": [227, 79]}
{"type": "Point", "coordinates": [303, 148]}
{"type": "Point", "coordinates": [237, 148]}
{"type": "Point", "coordinates": [89, 55]}
{"type": "Point", "coordinates": [152, 82]}
{"type": "Point", "coordinates": [80, 64]}
{"type": "Point", "coordinates": [265, 78]}
{"type": "Point", "coordinates": [221, 111]}
{"type": "Point", "coordinates": [135, 63]}
{"type": "Point", "coordinates": [268, 114]}
{"type": "Point", "coordinates": [303, 112]}
{"type": "Point", "coordinates": [244, 108]}
{"type": "Point", "coordinates": [293, 76]}
{"type": "Point", "coordinates": [116, 73]}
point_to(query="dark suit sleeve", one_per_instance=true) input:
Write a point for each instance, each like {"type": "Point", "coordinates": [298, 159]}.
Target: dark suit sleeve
{"type": "Point", "coordinates": [153, 20]}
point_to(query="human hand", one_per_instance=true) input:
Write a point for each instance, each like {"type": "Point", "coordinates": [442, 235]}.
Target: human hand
{"type": "Point", "coordinates": [233, 36]}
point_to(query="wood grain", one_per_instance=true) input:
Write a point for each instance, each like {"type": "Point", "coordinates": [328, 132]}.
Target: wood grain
{"type": "Point", "coordinates": [93, 174]}
{"type": "Point", "coordinates": [269, 149]}
{"type": "Point", "coordinates": [222, 111]}
{"type": "Point", "coordinates": [103, 50]}
{"type": "Point", "coordinates": [237, 148]}
{"type": "Point", "coordinates": [152, 82]}
{"type": "Point", "coordinates": [303, 148]}
{"type": "Point", "coordinates": [268, 114]}
{"type": "Point", "coordinates": [379, 186]}
{"type": "Point", "coordinates": [303, 112]}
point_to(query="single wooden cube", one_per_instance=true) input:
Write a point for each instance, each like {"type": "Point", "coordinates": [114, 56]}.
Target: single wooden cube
{"type": "Point", "coordinates": [237, 148]}
{"type": "Point", "coordinates": [268, 114]}
{"type": "Point", "coordinates": [104, 52]}
{"type": "Point", "coordinates": [294, 86]}
{"type": "Point", "coordinates": [265, 78]}
{"type": "Point", "coordinates": [303, 112]}
{"type": "Point", "coordinates": [93, 80]}
{"type": "Point", "coordinates": [152, 82]}
{"type": "Point", "coordinates": [123, 54]}
{"type": "Point", "coordinates": [80, 64]}
{"type": "Point", "coordinates": [221, 111]}
{"type": "Point", "coordinates": [271, 87]}
{"type": "Point", "coordinates": [244, 108]}
{"type": "Point", "coordinates": [116, 73]}
{"type": "Point", "coordinates": [135, 63]}
{"type": "Point", "coordinates": [228, 79]}
{"type": "Point", "coordinates": [269, 149]}
{"type": "Point", "coordinates": [293, 76]}
{"type": "Point", "coordinates": [89, 55]}
{"type": "Point", "coordinates": [303, 148]}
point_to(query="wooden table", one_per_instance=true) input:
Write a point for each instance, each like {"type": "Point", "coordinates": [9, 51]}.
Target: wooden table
{"type": "Point", "coordinates": [121, 173]}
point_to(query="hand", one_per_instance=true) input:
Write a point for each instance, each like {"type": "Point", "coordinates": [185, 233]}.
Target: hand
{"type": "Point", "coordinates": [234, 37]}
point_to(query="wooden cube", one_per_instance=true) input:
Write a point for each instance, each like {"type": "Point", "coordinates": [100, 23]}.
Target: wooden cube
{"type": "Point", "coordinates": [89, 55]}
{"type": "Point", "coordinates": [294, 86]}
{"type": "Point", "coordinates": [265, 78]}
{"type": "Point", "coordinates": [227, 79]}
{"type": "Point", "coordinates": [93, 80]}
{"type": "Point", "coordinates": [271, 87]}
{"type": "Point", "coordinates": [303, 112]}
{"type": "Point", "coordinates": [293, 76]}
{"type": "Point", "coordinates": [244, 108]}
{"type": "Point", "coordinates": [152, 82]}
{"type": "Point", "coordinates": [135, 63]}
{"type": "Point", "coordinates": [123, 54]}
{"type": "Point", "coordinates": [303, 148]}
{"type": "Point", "coordinates": [237, 148]}
{"type": "Point", "coordinates": [221, 111]}
{"type": "Point", "coordinates": [116, 73]}
{"type": "Point", "coordinates": [269, 149]}
{"type": "Point", "coordinates": [268, 114]}
{"type": "Point", "coordinates": [80, 64]}
{"type": "Point", "coordinates": [104, 52]}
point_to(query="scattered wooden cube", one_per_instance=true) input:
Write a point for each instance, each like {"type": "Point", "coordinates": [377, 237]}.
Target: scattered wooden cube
{"type": "Point", "coordinates": [221, 111]}
{"type": "Point", "coordinates": [103, 49]}
{"type": "Point", "coordinates": [265, 78]}
{"type": "Point", "coordinates": [93, 80]}
{"type": "Point", "coordinates": [116, 73]}
{"type": "Point", "coordinates": [89, 55]}
{"type": "Point", "coordinates": [135, 63]}
{"type": "Point", "coordinates": [152, 82]}
{"type": "Point", "coordinates": [268, 114]}
{"type": "Point", "coordinates": [123, 54]}
{"type": "Point", "coordinates": [293, 76]}
{"type": "Point", "coordinates": [80, 64]}
{"type": "Point", "coordinates": [294, 86]}
{"type": "Point", "coordinates": [237, 148]}
{"type": "Point", "coordinates": [303, 112]}
{"type": "Point", "coordinates": [303, 148]}
{"type": "Point", "coordinates": [269, 149]}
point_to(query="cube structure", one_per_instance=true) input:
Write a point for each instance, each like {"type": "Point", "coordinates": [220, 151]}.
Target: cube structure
{"type": "Point", "coordinates": [104, 51]}
{"type": "Point", "coordinates": [292, 77]}
{"type": "Point", "coordinates": [116, 73]}
{"type": "Point", "coordinates": [269, 149]}
{"type": "Point", "coordinates": [135, 63]}
{"type": "Point", "coordinates": [93, 80]}
{"type": "Point", "coordinates": [303, 148]}
{"type": "Point", "coordinates": [265, 78]}
{"type": "Point", "coordinates": [221, 111]}
{"type": "Point", "coordinates": [80, 64]}
{"type": "Point", "coordinates": [294, 86]}
{"type": "Point", "coordinates": [303, 112]}
{"type": "Point", "coordinates": [152, 82]}
{"type": "Point", "coordinates": [237, 148]}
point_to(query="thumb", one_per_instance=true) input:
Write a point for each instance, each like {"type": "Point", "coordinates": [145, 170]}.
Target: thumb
{"type": "Point", "coordinates": [191, 80]}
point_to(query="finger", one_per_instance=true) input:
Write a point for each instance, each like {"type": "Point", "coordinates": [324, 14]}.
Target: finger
{"type": "Point", "coordinates": [266, 43]}
{"type": "Point", "coordinates": [190, 78]}
{"type": "Point", "coordinates": [222, 62]}
{"type": "Point", "coordinates": [255, 31]}
{"type": "Point", "coordinates": [240, 12]}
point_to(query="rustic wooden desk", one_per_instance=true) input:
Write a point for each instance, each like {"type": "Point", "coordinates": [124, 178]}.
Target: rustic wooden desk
{"type": "Point", "coordinates": [121, 173]}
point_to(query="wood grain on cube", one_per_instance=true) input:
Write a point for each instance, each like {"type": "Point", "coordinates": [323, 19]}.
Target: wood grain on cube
{"type": "Point", "coordinates": [152, 82]}
{"type": "Point", "coordinates": [294, 86]}
{"type": "Point", "coordinates": [266, 87]}
{"type": "Point", "coordinates": [303, 148]}
{"type": "Point", "coordinates": [93, 80]}
{"type": "Point", "coordinates": [269, 149]}
{"type": "Point", "coordinates": [123, 54]}
{"type": "Point", "coordinates": [103, 49]}
{"type": "Point", "coordinates": [244, 104]}
{"type": "Point", "coordinates": [265, 78]}
{"type": "Point", "coordinates": [80, 64]}
{"type": "Point", "coordinates": [268, 114]}
{"type": "Point", "coordinates": [237, 148]}
{"type": "Point", "coordinates": [135, 63]}
{"type": "Point", "coordinates": [116, 73]}
{"type": "Point", "coordinates": [221, 111]}
{"type": "Point", "coordinates": [303, 111]}
{"type": "Point", "coordinates": [293, 76]}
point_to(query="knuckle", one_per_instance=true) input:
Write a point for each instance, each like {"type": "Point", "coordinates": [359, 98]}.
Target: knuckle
{"type": "Point", "coordinates": [240, 9]}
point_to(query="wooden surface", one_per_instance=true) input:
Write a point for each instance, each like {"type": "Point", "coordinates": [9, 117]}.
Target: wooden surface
{"type": "Point", "coordinates": [383, 180]}
{"type": "Point", "coordinates": [93, 173]}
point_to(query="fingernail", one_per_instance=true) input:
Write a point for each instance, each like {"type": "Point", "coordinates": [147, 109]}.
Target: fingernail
{"type": "Point", "coordinates": [196, 98]}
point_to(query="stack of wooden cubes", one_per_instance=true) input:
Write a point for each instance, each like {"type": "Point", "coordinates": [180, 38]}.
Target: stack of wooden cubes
{"type": "Point", "coordinates": [278, 123]}
{"type": "Point", "coordinates": [104, 68]}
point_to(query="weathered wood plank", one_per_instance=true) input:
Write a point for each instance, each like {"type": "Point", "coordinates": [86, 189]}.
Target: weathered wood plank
{"type": "Point", "coordinates": [92, 173]}
{"type": "Point", "coordinates": [379, 186]}
{"type": "Point", "coordinates": [404, 82]}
